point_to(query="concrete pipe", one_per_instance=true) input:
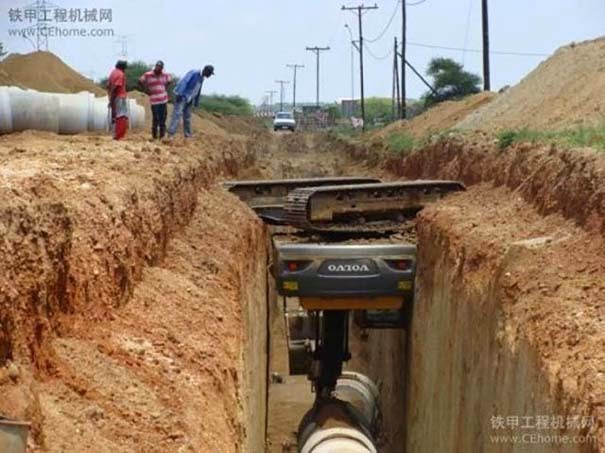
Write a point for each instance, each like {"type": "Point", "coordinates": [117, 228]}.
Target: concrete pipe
{"type": "Point", "coordinates": [347, 422]}
{"type": "Point", "coordinates": [34, 110]}
{"type": "Point", "coordinates": [60, 113]}
{"type": "Point", "coordinates": [100, 115]}
{"type": "Point", "coordinates": [338, 440]}
{"type": "Point", "coordinates": [136, 114]}
{"type": "Point", "coordinates": [361, 392]}
{"type": "Point", "coordinates": [6, 116]}
{"type": "Point", "coordinates": [74, 112]}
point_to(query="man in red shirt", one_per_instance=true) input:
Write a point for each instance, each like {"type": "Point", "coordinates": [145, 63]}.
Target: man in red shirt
{"type": "Point", "coordinates": [155, 83]}
{"type": "Point", "coordinates": [116, 91]}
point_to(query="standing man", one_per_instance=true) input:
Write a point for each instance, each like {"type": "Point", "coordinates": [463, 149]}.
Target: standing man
{"type": "Point", "coordinates": [155, 83]}
{"type": "Point", "coordinates": [186, 96]}
{"type": "Point", "coordinates": [116, 91]}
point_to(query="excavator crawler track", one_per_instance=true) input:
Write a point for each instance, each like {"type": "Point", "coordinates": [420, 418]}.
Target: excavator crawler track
{"type": "Point", "coordinates": [267, 197]}
{"type": "Point", "coordinates": [363, 208]}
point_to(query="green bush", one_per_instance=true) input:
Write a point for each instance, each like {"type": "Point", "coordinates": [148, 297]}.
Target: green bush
{"type": "Point", "coordinates": [226, 105]}
{"type": "Point", "coordinates": [401, 142]}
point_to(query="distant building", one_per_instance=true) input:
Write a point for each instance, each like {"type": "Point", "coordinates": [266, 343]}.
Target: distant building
{"type": "Point", "coordinates": [349, 107]}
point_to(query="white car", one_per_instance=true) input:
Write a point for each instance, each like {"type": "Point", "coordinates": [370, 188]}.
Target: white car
{"type": "Point", "coordinates": [284, 120]}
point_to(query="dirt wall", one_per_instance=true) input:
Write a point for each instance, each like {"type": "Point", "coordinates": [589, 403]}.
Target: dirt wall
{"type": "Point", "coordinates": [489, 369]}
{"type": "Point", "coordinates": [131, 295]}
{"type": "Point", "coordinates": [508, 308]}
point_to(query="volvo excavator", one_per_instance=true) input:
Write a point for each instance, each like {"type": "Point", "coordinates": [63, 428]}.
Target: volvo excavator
{"type": "Point", "coordinates": [342, 247]}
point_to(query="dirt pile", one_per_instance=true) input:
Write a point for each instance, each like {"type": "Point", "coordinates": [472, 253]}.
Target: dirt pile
{"type": "Point", "coordinates": [442, 116]}
{"type": "Point", "coordinates": [568, 89]}
{"type": "Point", "coordinates": [44, 71]}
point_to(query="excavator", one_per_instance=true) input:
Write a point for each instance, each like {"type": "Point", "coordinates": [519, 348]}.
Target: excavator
{"type": "Point", "coordinates": [343, 247]}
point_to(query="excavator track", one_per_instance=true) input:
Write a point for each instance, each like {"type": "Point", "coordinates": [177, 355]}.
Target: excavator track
{"type": "Point", "coordinates": [267, 197]}
{"type": "Point", "coordinates": [363, 208]}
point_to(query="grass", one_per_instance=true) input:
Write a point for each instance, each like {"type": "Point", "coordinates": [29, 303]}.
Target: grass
{"type": "Point", "coordinates": [585, 136]}
{"type": "Point", "coordinates": [401, 142]}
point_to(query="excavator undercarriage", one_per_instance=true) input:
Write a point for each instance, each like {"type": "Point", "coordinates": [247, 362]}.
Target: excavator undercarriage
{"type": "Point", "coordinates": [347, 252]}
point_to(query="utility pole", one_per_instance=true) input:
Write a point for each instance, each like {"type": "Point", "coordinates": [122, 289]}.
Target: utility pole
{"type": "Point", "coordinates": [271, 93]}
{"type": "Point", "coordinates": [317, 50]}
{"type": "Point", "coordinates": [360, 9]}
{"type": "Point", "coordinates": [396, 93]}
{"type": "Point", "coordinates": [281, 93]}
{"type": "Point", "coordinates": [295, 67]}
{"type": "Point", "coordinates": [485, 20]}
{"type": "Point", "coordinates": [403, 112]}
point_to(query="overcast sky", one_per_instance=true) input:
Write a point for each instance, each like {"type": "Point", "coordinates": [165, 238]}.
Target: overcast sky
{"type": "Point", "coordinates": [250, 42]}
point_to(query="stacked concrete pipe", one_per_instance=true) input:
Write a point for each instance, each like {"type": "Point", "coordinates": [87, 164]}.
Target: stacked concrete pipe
{"type": "Point", "coordinates": [57, 112]}
{"type": "Point", "coordinates": [347, 422]}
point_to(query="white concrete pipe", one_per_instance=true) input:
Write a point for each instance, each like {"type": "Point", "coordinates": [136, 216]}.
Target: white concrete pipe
{"type": "Point", "coordinates": [31, 109]}
{"type": "Point", "coordinates": [6, 116]}
{"type": "Point", "coordinates": [338, 440]}
{"type": "Point", "coordinates": [136, 114]}
{"type": "Point", "coordinates": [74, 112]}
{"type": "Point", "coordinates": [57, 112]}
{"type": "Point", "coordinates": [359, 391]}
{"type": "Point", "coordinates": [345, 423]}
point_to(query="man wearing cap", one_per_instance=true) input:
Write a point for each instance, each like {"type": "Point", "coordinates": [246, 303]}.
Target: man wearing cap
{"type": "Point", "coordinates": [155, 82]}
{"type": "Point", "coordinates": [186, 96]}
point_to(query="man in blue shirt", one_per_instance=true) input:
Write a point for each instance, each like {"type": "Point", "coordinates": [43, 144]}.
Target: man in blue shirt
{"type": "Point", "coordinates": [186, 96]}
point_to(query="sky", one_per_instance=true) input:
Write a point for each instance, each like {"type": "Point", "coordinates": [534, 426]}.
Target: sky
{"type": "Point", "coordinates": [250, 41]}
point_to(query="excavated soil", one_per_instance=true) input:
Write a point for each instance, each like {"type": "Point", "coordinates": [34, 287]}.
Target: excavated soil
{"type": "Point", "coordinates": [566, 90]}
{"type": "Point", "coordinates": [444, 115]}
{"type": "Point", "coordinates": [44, 71]}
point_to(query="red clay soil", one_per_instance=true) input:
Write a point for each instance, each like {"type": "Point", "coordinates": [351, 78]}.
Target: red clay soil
{"type": "Point", "coordinates": [570, 182]}
{"type": "Point", "coordinates": [82, 220]}
{"type": "Point", "coordinates": [552, 297]}
{"type": "Point", "coordinates": [518, 327]}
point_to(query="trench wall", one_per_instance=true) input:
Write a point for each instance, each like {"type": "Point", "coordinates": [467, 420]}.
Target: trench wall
{"type": "Point", "coordinates": [495, 338]}
{"type": "Point", "coordinates": [75, 242]}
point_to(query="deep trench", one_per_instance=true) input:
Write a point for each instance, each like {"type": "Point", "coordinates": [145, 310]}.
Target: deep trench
{"type": "Point", "coordinates": [290, 397]}
{"type": "Point", "coordinates": [487, 267]}
{"type": "Point", "coordinates": [468, 356]}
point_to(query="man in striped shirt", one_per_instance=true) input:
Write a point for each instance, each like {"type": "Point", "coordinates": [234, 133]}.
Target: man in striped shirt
{"type": "Point", "coordinates": [155, 83]}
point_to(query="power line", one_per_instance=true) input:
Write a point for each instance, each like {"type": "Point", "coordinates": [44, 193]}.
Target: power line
{"type": "Point", "coordinates": [361, 9]}
{"type": "Point", "coordinates": [416, 3]}
{"type": "Point", "coordinates": [295, 67]}
{"type": "Point", "coordinates": [496, 52]}
{"type": "Point", "coordinates": [376, 57]}
{"type": "Point", "coordinates": [317, 51]}
{"type": "Point", "coordinates": [388, 25]}
{"type": "Point", "coordinates": [468, 26]}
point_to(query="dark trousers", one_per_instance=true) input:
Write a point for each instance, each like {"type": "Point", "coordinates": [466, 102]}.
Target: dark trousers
{"type": "Point", "coordinates": [159, 113]}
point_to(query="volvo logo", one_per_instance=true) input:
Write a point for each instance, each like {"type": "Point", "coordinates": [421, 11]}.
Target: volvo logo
{"type": "Point", "coordinates": [348, 268]}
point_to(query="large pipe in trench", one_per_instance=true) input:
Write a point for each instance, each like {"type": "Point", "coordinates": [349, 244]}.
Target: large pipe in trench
{"type": "Point", "coordinates": [347, 422]}
{"type": "Point", "coordinates": [57, 112]}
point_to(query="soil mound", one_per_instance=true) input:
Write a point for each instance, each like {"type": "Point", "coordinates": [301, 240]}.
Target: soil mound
{"type": "Point", "coordinates": [568, 89]}
{"type": "Point", "coordinates": [442, 116]}
{"type": "Point", "coordinates": [44, 71]}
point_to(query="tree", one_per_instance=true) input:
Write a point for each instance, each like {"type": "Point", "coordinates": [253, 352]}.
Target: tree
{"type": "Point", "coordinates": [378, 110]}
{"type": "Point", "coordinates": [2, 51]}
{"type": "Point", "coordinates": [450, 81]}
